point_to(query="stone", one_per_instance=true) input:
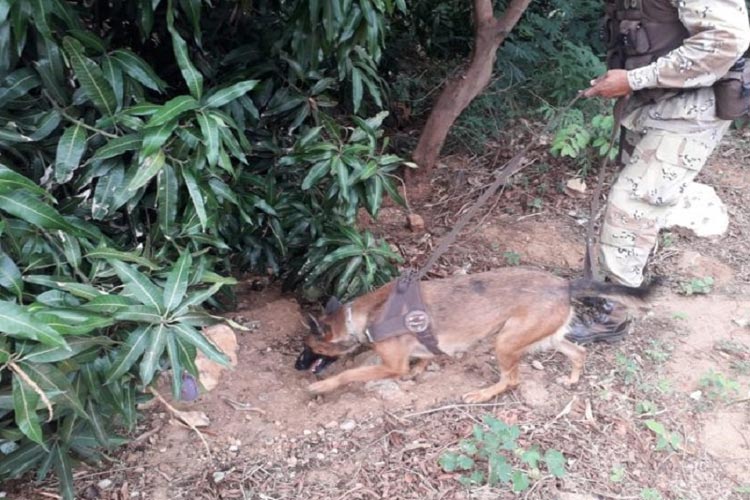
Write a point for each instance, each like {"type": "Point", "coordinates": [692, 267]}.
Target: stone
{"type": "Point", "coordinates": [415, 222]}
{"type": "Point", "coordinates": [104, 484]}
{"type": "Point", "coordinates": [348, 425]}
{"type": "Point", "coordinates": [225, 340]}
{"type": "Point", "coordinates": [386, 389]}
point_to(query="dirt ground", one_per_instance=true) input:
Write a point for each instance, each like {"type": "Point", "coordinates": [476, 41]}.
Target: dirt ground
{"type": "Point", "coordinates": [686, 366]}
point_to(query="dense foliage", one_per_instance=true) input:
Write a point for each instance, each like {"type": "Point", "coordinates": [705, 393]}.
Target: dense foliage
{"type": "Point", "coordinates": [150, 149]}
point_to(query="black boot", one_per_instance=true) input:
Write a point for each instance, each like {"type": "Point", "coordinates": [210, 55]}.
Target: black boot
{"type": "Point", "coordinates": [598, 320]}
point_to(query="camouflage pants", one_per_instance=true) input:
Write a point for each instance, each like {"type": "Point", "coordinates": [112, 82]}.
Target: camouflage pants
{"type": "Point", "coordinates": [659, 166]}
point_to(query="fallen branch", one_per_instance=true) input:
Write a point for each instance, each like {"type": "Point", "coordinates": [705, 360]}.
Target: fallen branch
{"type": "Point", "coordinates": [178, 415]}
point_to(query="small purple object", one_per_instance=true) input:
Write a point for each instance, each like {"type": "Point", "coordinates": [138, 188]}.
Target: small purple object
{"type": "Point", "coordinates": [189, 390]}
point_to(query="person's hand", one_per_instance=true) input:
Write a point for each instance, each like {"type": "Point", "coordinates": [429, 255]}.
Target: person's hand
{"type": "Point", "coordinates": [613, 83]}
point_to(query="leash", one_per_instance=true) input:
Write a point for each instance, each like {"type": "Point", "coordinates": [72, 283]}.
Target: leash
{"type": "Point", "coordinates": [590, 264]}
{"type": "Point", "coordinates": [511, 167]}
{"type": "Point", "coordinates": [405, 312]}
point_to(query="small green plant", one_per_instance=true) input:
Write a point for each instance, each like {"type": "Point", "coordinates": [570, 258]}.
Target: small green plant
{"type": "Point", "coordinates": [665, 440]}
{"type": "Point", "coordinates": [667, 240]}
{"type": "Point", "coordinates": [697, 286]}
{"type": "Point", "coordinates": [716, 386]}
{"type": "Point", "coordinates": [650, 494]}
{"type": "Point", "coordinates": [682, 316]}
{"type": "Point", "coordinates": [493, 456]}
{"type": "Point", "coordinates": [617, 474]}
{"type": "Point", "coordinates": [627, 368]}
{"type": "Point", "coordinates": [743, 490]}
{"type": "Point", "coordinates": [645, 407]}
{"type": "Point", "coordinates": [658, 351]}
{"type": "Point", "coordinates": [537, 203]}
{"type": "Point", "coordinates": [512, 258]}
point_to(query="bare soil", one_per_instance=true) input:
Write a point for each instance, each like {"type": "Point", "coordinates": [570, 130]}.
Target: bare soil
{"type": "Point", "coordinates": [685, 365]}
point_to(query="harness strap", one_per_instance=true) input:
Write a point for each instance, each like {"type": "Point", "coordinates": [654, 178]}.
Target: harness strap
{"type": "Point", "coordinates": [405, 313]}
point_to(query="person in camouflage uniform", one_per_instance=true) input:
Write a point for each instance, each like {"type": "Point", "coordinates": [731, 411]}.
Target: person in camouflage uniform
{"type": "Point", "coordinates": [670, 127]}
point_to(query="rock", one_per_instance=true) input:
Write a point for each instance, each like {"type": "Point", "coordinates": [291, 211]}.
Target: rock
{"type": "Point", "coordinates": [331, 425]}
{"type": "Point", "coordinates": [307, 432]}
{"type": "Point", "coordinates": [292, 461]}
{"type": "Point", "coordinates": [225, 339]}
{"type": "Point", "coordinates": [415, 222]}
{"type": "Point", "coordinates": [575, 188]}
{"type": "Point", "coordinates": [219, 476]}
{"type": "Point", "coordinates": [234, 448]}
{"type": "Point", "coordinates": [537, 365]}
{"type": "Point", "coordinates": [386, 389]}
{"type": "Point", "coordinates": [320, 456]}
{"type": "Point", "coordinates": [433, 367]}
{"type": "Point", "coordinates": [348, 425]}
{"type": "Point", "coordinates": [104, 484]}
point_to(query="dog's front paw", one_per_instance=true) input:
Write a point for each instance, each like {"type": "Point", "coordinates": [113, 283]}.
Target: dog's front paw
{"type": "Point", "coordinates": [478, 396]}
{"type": "Point", "coordinates": [322, 386]}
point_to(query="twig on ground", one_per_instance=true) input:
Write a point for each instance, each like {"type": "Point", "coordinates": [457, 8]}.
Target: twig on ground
{"type": "Point", "coordinates": [176, 413]}
{"type": "Point", "coordinates": [452, 407]}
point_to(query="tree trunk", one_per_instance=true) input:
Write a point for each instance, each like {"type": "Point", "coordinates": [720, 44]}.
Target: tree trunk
{"type": "Point", "coordinates": [458, 93]}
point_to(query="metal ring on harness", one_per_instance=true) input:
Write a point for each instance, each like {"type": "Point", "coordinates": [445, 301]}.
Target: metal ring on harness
{"type": "Point", "coordinates": [417, 321]}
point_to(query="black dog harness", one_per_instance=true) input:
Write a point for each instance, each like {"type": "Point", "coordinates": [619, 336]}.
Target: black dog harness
{"type": "Point", "coordinates": [405, 313]}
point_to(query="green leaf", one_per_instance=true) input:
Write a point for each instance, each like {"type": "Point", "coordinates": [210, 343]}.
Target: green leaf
{"type": "Point", "coordinates": [10, 276]}
{"type": "Point", "coordinates": [90, 77]}
{"type": "Point", "coordinates": [520, 481]}
{"type": "Point", "coordinates": [195, 195]}
{"type": "Point", "coordinates": [196, 338]}
{"type": "Point", "coordinates": [356, 88]}
{"type": "Point", "coordinates": [110, 253]}
{"type": "Point", "coordinates": [21, 460]}
{"type": "Point", "coordinates": [17, 322]}
{"type": "Point", "coordinates": [64, 472]}
{"type": "Point", "coordinates": [448, 461]}
{"type": "Point", "coordinates": [315, 174]}
{"type": "Point", "coordinates": [177, 281]}
{"type": "Point", "coordinates": [118, 146]}
{"type": "Point", "coordinates": [192, 9]}
{"type": "Point", "coordinates": [97, 423]}
{"type": "Point", "coordinates": [500, 470]}
{"type": "Point", "coordinates": [33, 211]}
{"type": "Point", "coordinates": [139, 314]}
{"type": "Point", "coordinates": [167, 199]}
{"type": "Point", "coordinates": [172, 110]}
{"type": "Point", "coordinates": [148, 168]}
{"type": "Point", "coordinates": [129, 353]}
{"type": "Point", "coordinates": [107, 192]}
{"type": "Point", "coordinates": [51, 380]}
{"type": "Point", "coordinates": [46, 125]}
{"type": "Point", "coordinates": [113, 74]}
{"type": "Point", "coordinates": [155, 137]}
{"type": "Point", "coordinates": [143, 289]}
{"type": "Point", "coordinates": [138, 69]}
{"type": "Point", "coordinates": [44, 354]}
{"type": "Point", "coordinates": [157, 343]}
{"type": "Point", "coordinates": [192, 76]}
{"type": "Point", "coordinates": [11, 181]}
{"type": "Point", "coordinates": [25, 401]}
{"type": "Point", "coordinates": [175, 364]}
{"type": "Point", "coordinates": [210, 131]}
{"type": "Point", "coordinates": [70, 150]}
{"type": "Point", "coordinates": [198, 298]}
{"type": "Point", "coordinates": [464, 462]}
{"type": "Point", "coordinates": [228, 94]}
{"type": "Point", "coordinates": [18, 84]}
{"type": "Point", "coordinates": [109, 304]}
{"type": "Point", "coordinates": [555, 463]}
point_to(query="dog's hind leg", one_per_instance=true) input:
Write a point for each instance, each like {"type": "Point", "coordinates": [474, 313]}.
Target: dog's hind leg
{"type": "Point", "coordinates": [576, 354]}
{"type": "Point", "coordinates": [508, 358]}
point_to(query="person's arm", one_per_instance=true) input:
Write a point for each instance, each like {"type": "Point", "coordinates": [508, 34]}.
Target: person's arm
{"type": "Point", "coordinates": [719, 33]}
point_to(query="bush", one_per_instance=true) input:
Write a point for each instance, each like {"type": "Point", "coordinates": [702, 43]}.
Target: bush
{"type": "Point", "coordinates": [149, 149]}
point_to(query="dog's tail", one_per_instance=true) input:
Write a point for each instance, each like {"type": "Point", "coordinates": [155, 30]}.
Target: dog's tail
{"type": "Point", "coordinates": [588, 288]}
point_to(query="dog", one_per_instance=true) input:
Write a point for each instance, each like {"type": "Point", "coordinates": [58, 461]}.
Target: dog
{"type": "Point", "coordinates": [525, 309]}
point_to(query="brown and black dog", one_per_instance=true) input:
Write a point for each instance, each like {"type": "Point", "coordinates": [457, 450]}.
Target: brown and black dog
{"type": "Point", "coordinates": [527, 309]}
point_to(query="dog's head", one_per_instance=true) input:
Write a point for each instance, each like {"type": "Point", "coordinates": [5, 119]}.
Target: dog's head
{"type": "Point", "coordinates": [327, 339]}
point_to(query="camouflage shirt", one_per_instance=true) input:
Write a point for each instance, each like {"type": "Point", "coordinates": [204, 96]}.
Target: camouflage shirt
{"type": "Point", "coordinates": [719, 34]}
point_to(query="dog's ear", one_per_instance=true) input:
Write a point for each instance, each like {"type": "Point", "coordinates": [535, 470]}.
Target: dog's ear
{"type": "Point", "coordinates": [315, 328]}
{"type": "Point", "coordinates": [332, 306]}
